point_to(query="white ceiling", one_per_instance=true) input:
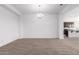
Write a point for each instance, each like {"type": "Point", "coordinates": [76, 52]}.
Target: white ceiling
{"type": "Point", "coordinates": [32, 8]}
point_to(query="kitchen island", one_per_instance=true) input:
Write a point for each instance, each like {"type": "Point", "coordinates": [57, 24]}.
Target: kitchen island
{"type": "Point", "coordinates": [72, 32]}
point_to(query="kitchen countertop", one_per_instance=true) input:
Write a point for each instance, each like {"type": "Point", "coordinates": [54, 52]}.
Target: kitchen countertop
{"type": "Point", "coordinates": [74, 29]}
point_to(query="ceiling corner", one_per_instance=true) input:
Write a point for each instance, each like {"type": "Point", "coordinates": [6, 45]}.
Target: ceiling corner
{"type": "Point", "coordinates": [12, 9]}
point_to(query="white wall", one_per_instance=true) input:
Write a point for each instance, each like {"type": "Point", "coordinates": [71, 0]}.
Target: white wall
{"type": "Point", "coordinates": [9, 30]}
{"type": "Point", "coordinates": [60, 27]}
{"type": "Point", "coordinates": [34, 27]}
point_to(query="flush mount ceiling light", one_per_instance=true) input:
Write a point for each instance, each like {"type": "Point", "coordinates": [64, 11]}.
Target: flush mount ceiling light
{"type": "Point", "coordinates": [61, 4]}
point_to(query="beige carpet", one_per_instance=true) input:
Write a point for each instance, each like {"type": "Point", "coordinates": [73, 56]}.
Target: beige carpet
{"type": "Point", "coordinates": [41, 47]}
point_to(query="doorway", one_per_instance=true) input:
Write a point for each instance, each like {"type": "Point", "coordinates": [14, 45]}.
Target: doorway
{"type": "Point", "coordinates": [68, 28]}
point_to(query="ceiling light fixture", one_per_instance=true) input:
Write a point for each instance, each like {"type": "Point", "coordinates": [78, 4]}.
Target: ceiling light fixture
{"type": "Point", "coordinates": [40, 15]}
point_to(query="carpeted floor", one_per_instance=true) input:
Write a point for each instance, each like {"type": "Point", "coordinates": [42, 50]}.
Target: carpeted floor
{"type": "Point", "coordinates": [41, 47]}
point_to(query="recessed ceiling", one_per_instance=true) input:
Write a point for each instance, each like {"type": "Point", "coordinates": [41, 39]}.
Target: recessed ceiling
{"type": "Point", "coordinates": [32, 8]}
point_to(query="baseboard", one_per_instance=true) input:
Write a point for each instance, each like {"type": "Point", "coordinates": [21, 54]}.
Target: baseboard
{"type": "Point", "coordinates": [38, 38]}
